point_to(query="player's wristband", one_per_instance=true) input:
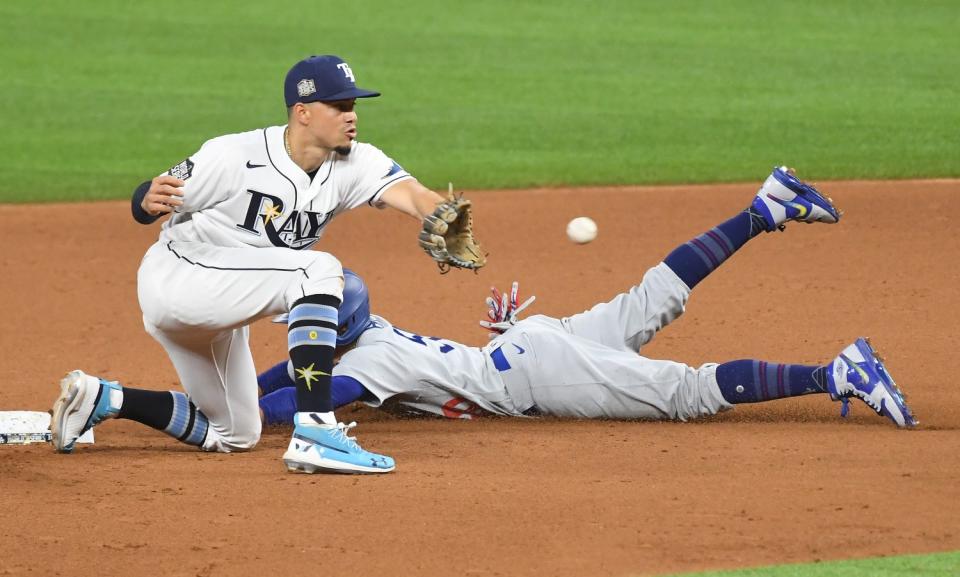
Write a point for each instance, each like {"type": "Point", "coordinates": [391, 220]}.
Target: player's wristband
{"type": "Point", "coordinates": [140, 215]}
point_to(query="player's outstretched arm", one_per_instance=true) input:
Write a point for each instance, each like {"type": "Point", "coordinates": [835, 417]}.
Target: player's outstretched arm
{"type": "Point", "coordinates": [279, 405]}
{"type": "Point", "coordinates": [154, 198]}
{"type": "Point", "coordinates": [411, 197]}
{"type": "Point", "coordinates": [446, 234]}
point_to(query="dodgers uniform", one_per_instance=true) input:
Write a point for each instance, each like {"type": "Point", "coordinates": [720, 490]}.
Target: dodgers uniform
{"type": "Point", "coordinates": [236, 251]}
{"type": "Point", "coordinates": [586, 365]}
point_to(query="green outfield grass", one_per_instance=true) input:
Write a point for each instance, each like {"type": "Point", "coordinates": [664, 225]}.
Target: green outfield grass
{"type": "Point", "coordinates": [99, 95]}
{"type": "Point", "coordinates": [939, 565]}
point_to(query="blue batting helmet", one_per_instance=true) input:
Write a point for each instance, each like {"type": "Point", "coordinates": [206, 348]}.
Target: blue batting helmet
{"type": "Point", "coordinates": [355, 309]}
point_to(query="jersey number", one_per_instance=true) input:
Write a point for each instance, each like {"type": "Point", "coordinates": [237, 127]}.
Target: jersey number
{"type": "Point", "coordinates": [444, 347]}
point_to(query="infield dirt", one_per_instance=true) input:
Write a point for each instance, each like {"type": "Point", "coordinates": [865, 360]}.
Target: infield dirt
{"type": "Point", "coordinates": [787, 481]}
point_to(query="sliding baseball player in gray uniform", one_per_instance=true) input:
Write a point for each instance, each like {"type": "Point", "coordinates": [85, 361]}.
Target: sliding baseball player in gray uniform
{"type": "Point", "coordinates": [587, 365]}
{"type": "Point", "coordinates": [246, 207]}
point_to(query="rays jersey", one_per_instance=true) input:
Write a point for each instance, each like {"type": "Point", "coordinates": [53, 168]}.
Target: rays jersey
{"type": "Point", "coordinates": [244, 190]}
{"type": "Point", "coordinates": [453, 380]}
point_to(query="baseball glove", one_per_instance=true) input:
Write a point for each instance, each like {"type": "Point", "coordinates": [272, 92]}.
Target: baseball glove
{"type": "Point", "coordinates": [447, 236]}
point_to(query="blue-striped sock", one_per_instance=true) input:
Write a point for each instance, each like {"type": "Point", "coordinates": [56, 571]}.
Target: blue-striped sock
{"type": "Point", "coordinates": [152, 408]}
{"type": "Point", "coordinates": [750, 381]}
{"type": "Point", "coordinates": [167, 411]}
{"type": "Point", "coordinates": [187, 423]}
{"type": "Point", "coordinates": [311, 340]}
{"type": "Point", "coordinates": [697, 258]}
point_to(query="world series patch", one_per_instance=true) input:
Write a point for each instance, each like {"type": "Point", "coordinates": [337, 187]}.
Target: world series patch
{"type": "Point", "coordinates": [306, 87]}
{"type": "Point", "coordinates": [182, 170]}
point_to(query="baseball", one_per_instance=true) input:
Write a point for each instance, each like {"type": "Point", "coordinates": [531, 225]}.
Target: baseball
{"type": "Point", "coordinates": [582, 230]}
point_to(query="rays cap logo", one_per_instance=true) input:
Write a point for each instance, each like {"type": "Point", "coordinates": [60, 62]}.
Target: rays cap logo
{"type": "Point", "coordinates": [322, 79]}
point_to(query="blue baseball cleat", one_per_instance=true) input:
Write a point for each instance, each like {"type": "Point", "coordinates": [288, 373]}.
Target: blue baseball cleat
{"type": "Point", "coordinates": [783, 197]}
{"type": "Point", "coordinates": [318, 447]}
{"type": "Point", "coordinates": [83, 403]}
{"type": "Point", "coordinates": [859, 372]}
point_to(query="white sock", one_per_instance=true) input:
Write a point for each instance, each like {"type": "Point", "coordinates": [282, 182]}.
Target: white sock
{"type": "Point", "coordinates": [315, 419]}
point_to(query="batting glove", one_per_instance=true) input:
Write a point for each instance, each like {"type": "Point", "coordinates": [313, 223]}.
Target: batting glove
{"type": "Point", "coordinates": [503, 310]}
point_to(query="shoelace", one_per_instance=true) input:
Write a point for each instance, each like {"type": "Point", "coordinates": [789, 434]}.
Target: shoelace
{"type": "Point", "coordinates": [854, 391]}
{"type": "Point", "coordinates": [845, 401]}
{"type": "Point", "coordinates": [845, 406]}
{"type": "Point", "coordinates": [342, 430]}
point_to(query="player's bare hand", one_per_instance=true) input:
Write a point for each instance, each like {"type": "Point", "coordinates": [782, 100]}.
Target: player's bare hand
{"type": "Point", "coordinates": [163, 196]}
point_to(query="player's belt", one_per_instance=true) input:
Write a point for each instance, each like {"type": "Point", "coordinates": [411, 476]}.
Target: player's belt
{"type": "Point", "coordinates": [506, 358]}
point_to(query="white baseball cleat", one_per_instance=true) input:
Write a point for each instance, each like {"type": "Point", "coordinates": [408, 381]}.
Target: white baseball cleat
{"type": "Point", "coordinates": [84, 402]}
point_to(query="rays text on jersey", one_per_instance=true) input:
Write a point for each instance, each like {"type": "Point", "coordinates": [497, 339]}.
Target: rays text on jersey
{"type": "Point", "coordinates": [300, 230]}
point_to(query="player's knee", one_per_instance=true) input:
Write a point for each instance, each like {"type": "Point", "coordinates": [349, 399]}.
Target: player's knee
{"type": "Point", "coordinates": [325, 268]}
{"type": "Point", "coordinates": [323, 275]}
{"type": "Point", "coordinates": [243, 442]}
{"type": "Point", "coordinates": [234, 440]}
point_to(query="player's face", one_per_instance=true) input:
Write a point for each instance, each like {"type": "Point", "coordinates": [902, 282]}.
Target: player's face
{"type": "Point", "coordinates": [333, 124]}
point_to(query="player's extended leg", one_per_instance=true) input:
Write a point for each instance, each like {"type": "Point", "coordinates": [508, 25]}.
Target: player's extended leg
{"type": "Point", "coordinates": [218, 411]}
{"type": "Point", "coordinates": [86, 401]}
{"type": "Point", "coordinates": [857, 372]}
{"type": "Point", "coordinates": [660, 298]}
{"type": "Point", "coordinates": [753, 381]}
{"type": "Point", "coordinates": [782, 198]}
{"type": "Point", "coordinates": [588, 380]}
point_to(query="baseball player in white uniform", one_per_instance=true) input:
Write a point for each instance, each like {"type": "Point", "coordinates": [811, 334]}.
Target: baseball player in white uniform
{"type": "Point", "coordinates": [245, 209]}
{"type": "Point", "coordinates": [587, 365]}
